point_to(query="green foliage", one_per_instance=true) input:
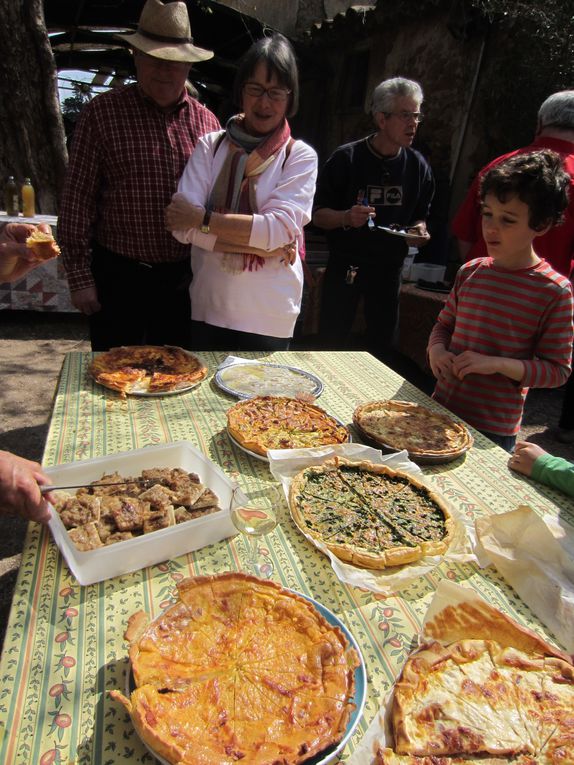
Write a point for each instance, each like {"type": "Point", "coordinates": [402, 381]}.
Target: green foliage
{"type": "Point", "coordinates": [542, 27]}
{"type": "Point", "coordinates": [530, 55]}
{"type": "Point", "coordinates": [72, 106]}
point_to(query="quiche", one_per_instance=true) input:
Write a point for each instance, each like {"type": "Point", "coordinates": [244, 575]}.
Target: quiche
{"type": "Point", "coordinates": [423, 432]}
{"type": "Point", "coordinates": [368, 514]}
{"type": "Point", "coordinates": [238, 669]}
{"type": "Point", "coordinates": [147, 369]}
{"type": "Point", "coordinates": [502, 696]}
{"type": "Point", "coordinates": [280, 422]}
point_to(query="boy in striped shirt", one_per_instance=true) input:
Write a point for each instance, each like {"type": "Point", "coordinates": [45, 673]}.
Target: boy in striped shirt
{"type": "Point", "coordinates": [507, 323]}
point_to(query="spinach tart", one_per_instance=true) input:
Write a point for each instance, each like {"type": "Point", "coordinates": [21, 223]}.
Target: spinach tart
{"type": "Point", "coordinates": [369, 515]}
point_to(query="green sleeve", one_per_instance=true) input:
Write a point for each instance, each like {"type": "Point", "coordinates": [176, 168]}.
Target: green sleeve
{"type": "Point", "coordinates": [555, 472]}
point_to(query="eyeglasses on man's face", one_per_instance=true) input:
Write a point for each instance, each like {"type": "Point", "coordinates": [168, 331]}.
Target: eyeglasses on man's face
{"type": "Point", "coordinates": [255, 90]}
{"type": "Point", "coordinates": [405, 116]}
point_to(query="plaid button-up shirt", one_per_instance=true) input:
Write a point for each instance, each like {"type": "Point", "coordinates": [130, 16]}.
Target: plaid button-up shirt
{"type": "Point", "coordinates": [126, 159]}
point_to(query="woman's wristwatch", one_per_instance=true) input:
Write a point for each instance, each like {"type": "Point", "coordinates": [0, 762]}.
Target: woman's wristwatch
{"type": "Point", "coordinates": [204, 228]}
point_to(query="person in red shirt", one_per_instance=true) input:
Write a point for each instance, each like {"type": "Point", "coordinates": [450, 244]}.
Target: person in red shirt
{"type": "Point", "coordinates": [555, 131]}
{"type": "Point", "coordinates": [125, 270]}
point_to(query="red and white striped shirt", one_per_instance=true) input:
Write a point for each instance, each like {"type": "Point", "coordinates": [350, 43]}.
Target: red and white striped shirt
{"type": "Point", "coordinates": [127, 157]}
{"type": "Point", "coordinates": [525, 314]}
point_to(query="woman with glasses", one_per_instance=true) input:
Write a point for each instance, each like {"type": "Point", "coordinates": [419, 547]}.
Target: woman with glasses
{"type": "Point", "coordinates": [242, 203]}
{"type": "Point", "coordinates": [373, 197]}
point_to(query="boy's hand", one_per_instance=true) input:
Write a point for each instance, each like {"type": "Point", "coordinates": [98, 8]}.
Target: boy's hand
{"type": "Point", "coordinates": [441, 362]}
{"type": "Point", "coordinates": [471, 362]}
{"type": "Point", "coordinates": [524, 457]}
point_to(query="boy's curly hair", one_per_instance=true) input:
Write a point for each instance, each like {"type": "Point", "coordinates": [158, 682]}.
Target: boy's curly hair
{"type": "Point", "coordinates": [538, 179]}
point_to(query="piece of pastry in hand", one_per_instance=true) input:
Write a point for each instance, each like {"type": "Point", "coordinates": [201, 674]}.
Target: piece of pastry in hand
{"type": "Point", "coordinates": [43, 245]}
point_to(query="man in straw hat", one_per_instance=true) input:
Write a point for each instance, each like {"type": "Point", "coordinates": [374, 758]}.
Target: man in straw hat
{"type": "Point", "coordinates": [129, 149]}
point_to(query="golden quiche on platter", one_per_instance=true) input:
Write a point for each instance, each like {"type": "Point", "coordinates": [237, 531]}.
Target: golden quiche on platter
{"type": "Point", "coordinates": [425, 434]}
{"type": "Point", "coordinates": [501, 696]}
{"type": "Point", "coordinates": [280, 422]}
{"type": "Point", "coordinates": [239, 669]}
{"type": "Point", "coordinates": [147, 369]}
{"type": "Point", "coordinates": [368, 514]}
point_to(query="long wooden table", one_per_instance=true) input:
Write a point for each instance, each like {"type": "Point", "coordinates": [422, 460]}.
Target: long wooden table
{"type": "Point", "coordinates": [64, 648]}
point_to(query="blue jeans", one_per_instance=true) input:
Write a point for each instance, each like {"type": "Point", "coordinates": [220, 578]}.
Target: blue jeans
{"type": "Point", "coordinates": [507, 442]}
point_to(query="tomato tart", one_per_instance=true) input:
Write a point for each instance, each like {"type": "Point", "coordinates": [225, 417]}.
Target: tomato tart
{"type": "Point", "coordinates": [147, 369]}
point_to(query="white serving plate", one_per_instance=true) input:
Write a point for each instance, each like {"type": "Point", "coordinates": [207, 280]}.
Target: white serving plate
{"type": "Point", "coordinates": [394, 232]}
{"type": "Point", "coordinates": [359, 698]}
{"type": "Point", "coordinates": [147, 550]}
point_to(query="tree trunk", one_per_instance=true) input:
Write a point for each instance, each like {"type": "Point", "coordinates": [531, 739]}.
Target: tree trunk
{"type": "Point", "coordinates": [32, 139]}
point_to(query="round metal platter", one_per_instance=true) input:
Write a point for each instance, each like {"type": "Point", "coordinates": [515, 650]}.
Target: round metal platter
{"type": "Point", "coordinates": [267, 380]}
{"type": "Point", "coordinates": [359, 698]}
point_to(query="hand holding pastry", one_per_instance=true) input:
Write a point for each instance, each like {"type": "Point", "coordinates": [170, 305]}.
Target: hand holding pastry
{"type": "Point", "coordinates": [16, 257]}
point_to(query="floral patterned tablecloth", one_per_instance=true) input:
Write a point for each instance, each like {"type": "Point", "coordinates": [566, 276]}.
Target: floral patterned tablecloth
{"type": "Point", "coordinates": [64, 647]}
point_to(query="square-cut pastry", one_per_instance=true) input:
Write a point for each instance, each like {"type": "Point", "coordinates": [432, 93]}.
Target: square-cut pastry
{"type": "Point", "coordinates": [85, 537]}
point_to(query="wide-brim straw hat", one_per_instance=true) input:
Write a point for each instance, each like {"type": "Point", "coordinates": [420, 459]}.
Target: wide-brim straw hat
{"type": "Point", "coordinates": [164, 32]}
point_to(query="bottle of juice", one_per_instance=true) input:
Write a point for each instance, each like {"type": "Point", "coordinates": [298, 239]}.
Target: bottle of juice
{"type": "Point", "coordinates": [28, 199]}
{"type": "Point", "coordinates": [11, 197]}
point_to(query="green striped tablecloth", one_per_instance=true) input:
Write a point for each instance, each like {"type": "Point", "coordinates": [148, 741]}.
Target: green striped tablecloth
{"type": "Point", "coordinates": [64, 647]}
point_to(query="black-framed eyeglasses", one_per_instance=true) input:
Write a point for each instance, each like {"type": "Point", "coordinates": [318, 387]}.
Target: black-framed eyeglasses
{"type": "Point", "coordinates": [255, 90]}
{"type": "Point", "coordinates": [406, 116]}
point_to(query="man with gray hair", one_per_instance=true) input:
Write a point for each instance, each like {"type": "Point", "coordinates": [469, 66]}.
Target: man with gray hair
{"type": "Point", "coordinates": [372, 199]}
{"type": "Point", "coordinates": [554, 130]}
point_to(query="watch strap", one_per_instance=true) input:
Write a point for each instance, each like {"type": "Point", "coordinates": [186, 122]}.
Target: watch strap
{"type": "Point", "coordinates": [204, 228]}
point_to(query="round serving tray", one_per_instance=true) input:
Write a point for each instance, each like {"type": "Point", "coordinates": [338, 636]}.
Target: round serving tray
{"type": "Point", "coordinates": [267, 380]}
{"type": "Point", "coordinates": [359, 698]}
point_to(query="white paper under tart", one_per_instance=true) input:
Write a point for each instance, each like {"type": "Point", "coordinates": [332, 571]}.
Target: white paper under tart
{"type": "Point", "coordinates": [286, 463]}
{"type": "Point", "coordinates": [536, 557]}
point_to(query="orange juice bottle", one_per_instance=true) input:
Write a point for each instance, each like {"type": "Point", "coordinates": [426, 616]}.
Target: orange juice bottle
{"type": "Point", "coordinates": [28, 199]}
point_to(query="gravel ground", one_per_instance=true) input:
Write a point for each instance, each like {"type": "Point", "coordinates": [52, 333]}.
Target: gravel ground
{"type": "Point", "coordinates": [32, 348]}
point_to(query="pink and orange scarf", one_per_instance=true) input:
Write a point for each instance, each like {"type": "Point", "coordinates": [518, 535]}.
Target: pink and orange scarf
{"type": "Point", "coordinates": [235, 187]}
